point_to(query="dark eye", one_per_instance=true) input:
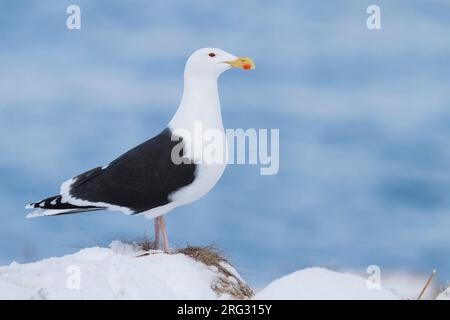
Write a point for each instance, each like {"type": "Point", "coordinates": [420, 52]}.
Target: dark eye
{"type": "Point", "coordinates": [212, 54]}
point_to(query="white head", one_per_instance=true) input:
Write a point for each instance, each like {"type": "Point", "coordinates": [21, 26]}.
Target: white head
{"type": "Point", "coordinates": [211, 62]}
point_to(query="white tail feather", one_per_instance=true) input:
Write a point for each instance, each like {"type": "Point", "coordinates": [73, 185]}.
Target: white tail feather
{"type": "Point", "coordinates": [49, 212]}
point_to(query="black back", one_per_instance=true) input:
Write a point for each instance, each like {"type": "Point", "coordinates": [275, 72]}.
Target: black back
{"type": "Point", "coordinates": [141, 179]}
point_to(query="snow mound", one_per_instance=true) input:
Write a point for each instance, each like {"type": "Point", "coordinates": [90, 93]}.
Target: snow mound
{"type": "Point", "coordinates": [114, 273]}
{"type": "Point", "coordinates": [445, 295]}
{"type": "Point", "coordinates": [407, 285]}
{"type": "Point", "coordinates": [122, 271]}
{"type": "Point", "coordinates": [324, 284]}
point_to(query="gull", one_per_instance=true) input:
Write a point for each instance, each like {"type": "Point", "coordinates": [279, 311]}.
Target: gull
{"type": "Point", "coordinates": [149, 179]}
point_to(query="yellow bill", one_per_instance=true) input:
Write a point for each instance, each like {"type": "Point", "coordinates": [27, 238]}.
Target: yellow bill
{"type": "Point", "coordinates": [242, 63]}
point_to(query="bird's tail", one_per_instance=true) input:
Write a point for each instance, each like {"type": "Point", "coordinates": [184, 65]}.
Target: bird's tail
{"type": "Point", "coordinates": [54, 206]}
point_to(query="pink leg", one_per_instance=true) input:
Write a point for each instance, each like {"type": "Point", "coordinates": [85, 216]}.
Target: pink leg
{"type": "Point", "coordinates": [162, 226]}
{"type": "Point", "coordinates": [157, 229]}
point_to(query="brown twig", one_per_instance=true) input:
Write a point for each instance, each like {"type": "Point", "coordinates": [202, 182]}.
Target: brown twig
{"type": "Point", "coordinates": [426, 284]}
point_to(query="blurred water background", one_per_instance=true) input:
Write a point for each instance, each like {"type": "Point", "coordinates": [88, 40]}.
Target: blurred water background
{"type": "Point", "coordinates": [364, 119]}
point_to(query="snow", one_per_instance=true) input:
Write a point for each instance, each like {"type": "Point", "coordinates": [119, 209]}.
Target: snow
{"type": "Point", "coordinates": [320, 283]}
{"type": "Point", "coordinates": [408, 285]}
{"type": "Point", "coordinates": [445, 295]}
{"type": "Point", "coordinates": [118, 273]}
{"type": "Point", "coordinates": [110, 273]}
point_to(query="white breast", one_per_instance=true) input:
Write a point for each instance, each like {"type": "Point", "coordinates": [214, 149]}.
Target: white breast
{"type": "Point", "coordinates": [199, 105]}
{"type": "Point", "coordinates": [206, 176]}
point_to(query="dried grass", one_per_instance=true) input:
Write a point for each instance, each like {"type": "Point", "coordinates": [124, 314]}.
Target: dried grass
{"type": "Point", "coordinates": [145, 243]}
{"type": "Point", "coordinates": [227, 282]}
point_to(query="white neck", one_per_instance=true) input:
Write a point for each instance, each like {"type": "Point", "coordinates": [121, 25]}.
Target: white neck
{"type": "Point", "coordinates": [200, 102]}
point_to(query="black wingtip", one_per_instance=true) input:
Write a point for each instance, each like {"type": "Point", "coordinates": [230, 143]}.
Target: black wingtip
{"type": "Point", "coordinates": [55, 203]}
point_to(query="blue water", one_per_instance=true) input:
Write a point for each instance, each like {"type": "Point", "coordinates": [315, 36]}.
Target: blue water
{"type": "Point", "coordinates": [364, 119]}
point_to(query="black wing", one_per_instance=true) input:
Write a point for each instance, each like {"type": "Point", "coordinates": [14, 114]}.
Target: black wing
{"type": "Point", "coordinates": [141, 179]}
